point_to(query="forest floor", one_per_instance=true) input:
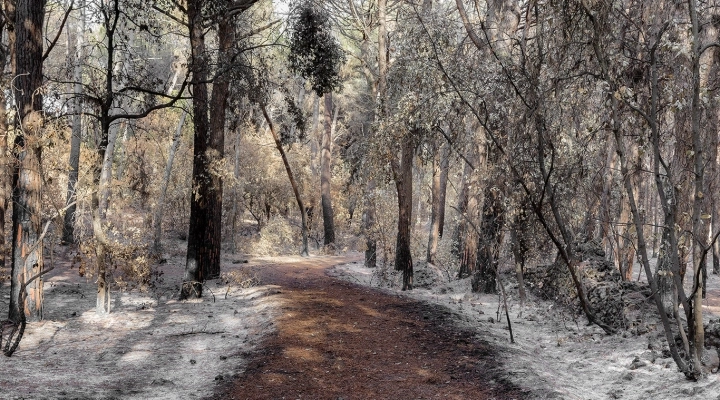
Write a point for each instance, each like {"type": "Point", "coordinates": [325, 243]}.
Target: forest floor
{"type": "Point", "coordinates": [297, 334]}
{"type": "Point", "coordinates": [320, 328]}
{"type": "Point", "coordinates": [555, 354]}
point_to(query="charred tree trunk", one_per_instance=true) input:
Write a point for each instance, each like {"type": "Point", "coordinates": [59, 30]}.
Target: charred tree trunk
{"type": "Point", "coordinates": [5, 170]}
{"type": "Point", "coordinates": [325, 176]}
{"type": "Point", "coordinates": [484, 278]}
{"type": "Point", "coordinates": [368, 224]}
{"type": "Point", "coordinates": [403, 183]}
{"type": "Point", "coordinates": [203, 249]}
{"type": "Point", "coordinates": [218, 106]}
{"type": "Point", "coordinates": [699, 227]}
{"type": "Point", "coordinates": [7, 18]}
{"type": "Point", "coordinates": [519, 249]}
{"type": "Point", "coordinates": [27, 249]}
{"type": "Point", "coordinates": [5, 173]}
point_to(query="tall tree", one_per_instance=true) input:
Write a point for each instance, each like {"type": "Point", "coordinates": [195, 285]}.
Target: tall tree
{"type": "Point", "coordinates": [203, 249]}
{"type": "Point", "coordinates": [204, 236]}
{"type": "Point", "coordinates": [326, 174]}
{"type": "Point", "coordinates": [5, 171]}
{"type": "Point", "coordinates": [27, 250]}
{"type": "Point", "coordinates": [78, 54]}
{"type": "Point", "coordinates": [317, 56]}
{"type": "Point", "coordinates": [441, 165]}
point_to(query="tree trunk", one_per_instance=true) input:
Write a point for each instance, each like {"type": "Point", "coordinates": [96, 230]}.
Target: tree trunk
{"type": "Point", "coordinates": [519, 249]}
{"type": "Point", "coordinates": [444, 171]}
{"type": "Point", "coordinates": [699, 227]}
{"type": "Point", "coordinates": [441, 165]}
{"type": "Point", "coordinates": [5, 160]}
{"type": "Point", "coordinates": [107, 171]}
{"type": "Point", "coordinates": [325, 176]}
{"type": "Point", "coordinates": [76, 135]}
{"type": "Point", "coordinates": [160, 206]}
{"type": "Point", "coordinates": [5, 170]}
{"type": "Point", "coordinates": [236, 190]}
{"type": "Point", "coordinates": [461, 209]}
{"type": "Point", "coordinates": [27, 248]}
{"type": "Point", "coordinates": [5, 173]}
{"type": "Point", "coordinates": [368, 224]}
{"type": "Point", "coordinates": [314, 140]}
{"type": "Point", "coordinates": [293, 183]}
{"type": "Point", "coordinates": [403, 183]}
{"type": "Point", "coordinates": [218, 106]}
{"type": "Point", "coordinates": [101, 179]}
{"type": "Point", "coordinates": [484, 278]}
{"type": "Point", "coordinates": [435, 206]}
{"type": "Point", "coordinates": [202, 248]}
{"type": "Point", "coordinates": [472, 195]}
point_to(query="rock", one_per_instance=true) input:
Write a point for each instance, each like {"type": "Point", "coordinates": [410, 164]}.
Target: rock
{"type": "Point", "coordinates": [692, 391]}
{"type": "Point", "coordinates": [710, 361]}
{"type": "Point", "coordinates": [637, 363]}
{"type": "Point", "coordinates": [650, 356]}
{"type": "Point", "coordinates": [712, 333]}
{"type": "Point", "coordinates": [613, 300]}
{"type": "Point", "coordinates": [627, 376]}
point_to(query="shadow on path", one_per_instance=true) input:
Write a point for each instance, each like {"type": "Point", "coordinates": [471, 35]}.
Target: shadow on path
{"type": "Point", "coordinates": [337, 340]}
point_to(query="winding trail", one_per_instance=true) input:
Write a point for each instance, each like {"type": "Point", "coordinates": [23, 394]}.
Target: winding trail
{"type": "Point", "coordinates": [336, 340]}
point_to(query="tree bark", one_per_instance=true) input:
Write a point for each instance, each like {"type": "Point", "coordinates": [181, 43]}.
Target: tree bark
{"type": "Point", "coordinates": [101, 179]}
{"type": "Point", "coordinates": [5, 173]}
{"type": "Point", "coordinates": [441, 165]}
{"type": "Point", "coordinates": [471, 194]}
{"type": "Point", "coordinates": [202, 248]}
{"type": "Point", "coordinates": [519, 249]}
{"type": "Point", "coordinates": [444, 171]}
{"type": "Point", "coordinates": [368, 224]}
{"type": "Point", "coordinates": [76, 135]}
{"type": "Point", "coordinates": [218, 107]}
{"type": "Point", "coordinates": [5, 170]}
{"type": "Point", "coordinates": [434, 235]}
{"type": "Point", "coordinates": [325, 176]}
{"type": "Point", "coordinates": [403, 183]}
{"type": "Point", "coordinates": [699, 228]}
{"type": "Point", "coordinates": [484, 278]}
{"type": "Point", "coordinates": [27, 249]}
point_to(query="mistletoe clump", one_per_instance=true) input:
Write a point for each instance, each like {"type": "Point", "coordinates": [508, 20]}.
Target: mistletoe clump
{"type": "Point", "coordinates": [315, 54]}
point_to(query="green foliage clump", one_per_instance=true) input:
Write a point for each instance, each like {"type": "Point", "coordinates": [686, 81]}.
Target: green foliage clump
{"type": "Point", "coordinates": [314, 53]}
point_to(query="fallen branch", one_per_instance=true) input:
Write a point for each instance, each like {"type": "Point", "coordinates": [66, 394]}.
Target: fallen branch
{"type": "Point", "coordinates": [197, 333]}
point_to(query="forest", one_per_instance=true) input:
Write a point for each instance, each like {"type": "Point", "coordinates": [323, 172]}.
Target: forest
{"type": "Point", "coordinates": [547, 162]}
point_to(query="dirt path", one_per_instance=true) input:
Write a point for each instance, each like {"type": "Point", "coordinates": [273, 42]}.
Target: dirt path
{"type": "Point", "coordinates": [337, 340]}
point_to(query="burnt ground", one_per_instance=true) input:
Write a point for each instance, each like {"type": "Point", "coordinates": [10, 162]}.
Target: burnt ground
{"type": "Point", "coordinates": [338, 340]}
